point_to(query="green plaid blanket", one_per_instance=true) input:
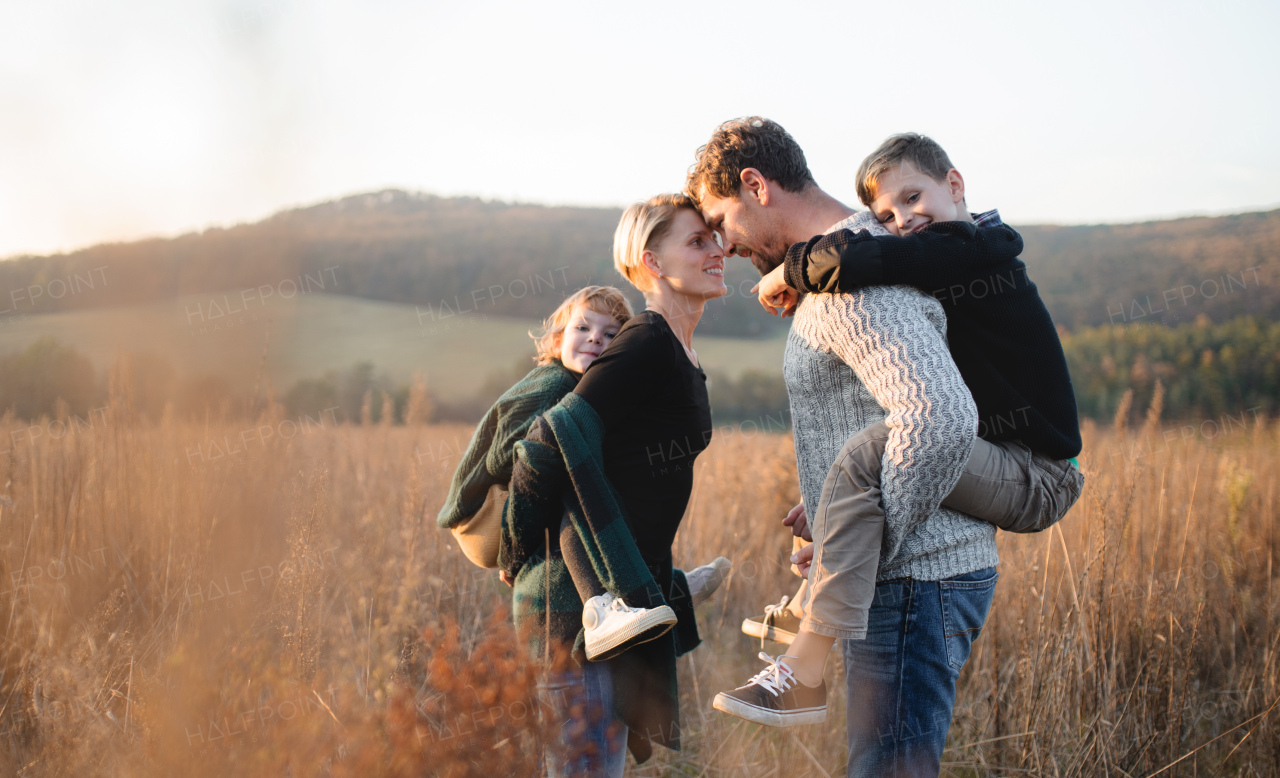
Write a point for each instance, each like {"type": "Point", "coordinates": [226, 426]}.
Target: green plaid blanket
{"type": "Point", "coordinates": [559, 476]}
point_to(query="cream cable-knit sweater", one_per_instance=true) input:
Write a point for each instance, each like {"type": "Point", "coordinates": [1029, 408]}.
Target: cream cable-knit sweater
{"type": "Point", "coordinates": [881, 354]}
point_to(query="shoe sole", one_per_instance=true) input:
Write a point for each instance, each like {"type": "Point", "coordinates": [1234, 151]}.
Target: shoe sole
{"type": "Point", "coordinates": [644, 637]}
{"type": "Point", "coordinates": [757, 630]}
{"type": "Point", "coordinates": [605, 644]}
{"type": "Point", "coordinates": [770, 718]}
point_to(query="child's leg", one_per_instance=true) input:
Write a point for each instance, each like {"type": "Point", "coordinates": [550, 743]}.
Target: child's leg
{"type": "Point", "coordinates": [1003, 483]}
{"type": "Point", "coordinates": [1013, 488]}
{"type": "Point", "coordinates": [847, 526]}
{"type": "Point", "coordinates": [650, 615]}
{"type": "Point", "coordinates": [613, 616]}
{"type": "Point", "coordinates": [593, 565]}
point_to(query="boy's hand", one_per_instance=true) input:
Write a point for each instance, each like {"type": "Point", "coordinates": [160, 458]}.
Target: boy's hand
{"type": "Point", "coordinates": [774, 293]}
{"type": "Point", "coordinates": [798, 521]}
{"type": "Point", "coordinates": [803, 560]}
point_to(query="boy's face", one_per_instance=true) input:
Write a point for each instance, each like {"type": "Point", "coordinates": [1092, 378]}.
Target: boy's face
{"type": "Point", "coordinates": [585, 336]}
{"type": "Point", "coordinates": [908, 200]}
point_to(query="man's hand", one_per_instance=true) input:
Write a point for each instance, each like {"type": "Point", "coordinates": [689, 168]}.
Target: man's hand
{"type": "Point", "coordinates": [774, 293]}
{"type": "Point", "coordinates": [803, 560]}
{"type": "Point", "coordinates": [798, 521]}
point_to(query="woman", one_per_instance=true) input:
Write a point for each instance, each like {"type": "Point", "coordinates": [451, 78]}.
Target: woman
{"type": "Point", "coordinates": [644, 400]}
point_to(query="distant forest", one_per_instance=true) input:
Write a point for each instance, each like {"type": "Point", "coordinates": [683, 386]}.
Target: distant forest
{"type": "Point", "coordinates": [454, 254]}
{"type": "Point", "coordinates": [1207, 373]}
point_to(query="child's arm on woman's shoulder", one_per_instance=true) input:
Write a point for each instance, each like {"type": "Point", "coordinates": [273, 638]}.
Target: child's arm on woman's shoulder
{"type": "Point", "coordinates": [519, 407]}
{"type": "Point", "coordinates": [491, 452]}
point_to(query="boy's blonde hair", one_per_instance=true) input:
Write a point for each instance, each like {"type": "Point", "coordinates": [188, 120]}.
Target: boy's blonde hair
{"type": "Point", "coordinates": [921, 151]}
{"type": "Point", "coordinates": [608, 300]}
{"type": "Point", "coordinates": [642, 227]}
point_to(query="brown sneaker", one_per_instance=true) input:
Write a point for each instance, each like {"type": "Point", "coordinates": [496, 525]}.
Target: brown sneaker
{"type": "Point", "coordinates": [779, 622]}
{"type": "Point", "coordinates": [775, 698]}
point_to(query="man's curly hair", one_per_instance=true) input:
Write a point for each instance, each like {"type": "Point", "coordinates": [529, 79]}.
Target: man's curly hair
{"type": "Point", "coordinates": [752, 141]}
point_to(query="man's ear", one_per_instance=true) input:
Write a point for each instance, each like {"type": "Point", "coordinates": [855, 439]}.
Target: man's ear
{"type": "Point", "coordinates": [754, 185]}
{"type": "Point", "coordinates": [955, 182]}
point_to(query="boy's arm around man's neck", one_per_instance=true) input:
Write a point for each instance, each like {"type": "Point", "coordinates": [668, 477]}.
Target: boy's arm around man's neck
{"type": "Point", "coordinates": [943, 254]}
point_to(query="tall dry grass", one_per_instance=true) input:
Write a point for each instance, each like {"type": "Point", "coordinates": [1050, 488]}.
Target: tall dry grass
{"type": "Point", "coordinates": [265, 599]}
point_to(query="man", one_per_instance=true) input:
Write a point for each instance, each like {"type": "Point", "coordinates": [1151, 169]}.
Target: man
{"type": "Point", "coordinates": [854, 360]}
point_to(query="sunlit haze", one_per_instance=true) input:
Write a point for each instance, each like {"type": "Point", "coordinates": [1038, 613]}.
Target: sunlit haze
{"type": "Point", "coordinates": [141, 117]}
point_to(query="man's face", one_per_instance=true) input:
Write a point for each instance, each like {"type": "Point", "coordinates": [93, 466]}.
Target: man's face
{"type": "Point", "coordinates": [908, 200]}
{"type": "Point", "coordinates": [745, 227]}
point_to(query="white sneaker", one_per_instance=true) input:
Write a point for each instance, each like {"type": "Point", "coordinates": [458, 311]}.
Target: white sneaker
{"type": "Point", "coordinates": [704, 580]}
{"type": "Point", "coordinates": [612, 626]}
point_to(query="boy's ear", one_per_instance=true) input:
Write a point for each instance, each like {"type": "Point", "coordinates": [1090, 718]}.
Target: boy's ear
{"type": "Point", "coordinates": [955, 182]}
{"type": "Point", "coordinates": [754, 185]}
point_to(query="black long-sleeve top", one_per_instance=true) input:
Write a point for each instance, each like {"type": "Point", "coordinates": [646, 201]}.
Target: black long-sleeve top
{"type": "Point", "coordinates": [657, 417]}
{"type": "Point", "coordinates": [998, 329]}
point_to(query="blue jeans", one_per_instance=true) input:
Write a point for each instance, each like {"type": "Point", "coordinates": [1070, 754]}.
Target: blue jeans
{"type": "Point", "coordinates": [902, 678]}
{"type": "Point", "coordinates": [587, 739]}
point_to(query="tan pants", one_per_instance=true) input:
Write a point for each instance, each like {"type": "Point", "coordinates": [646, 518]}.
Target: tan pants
{"type": "Point", "coordinates": [1004, 483]}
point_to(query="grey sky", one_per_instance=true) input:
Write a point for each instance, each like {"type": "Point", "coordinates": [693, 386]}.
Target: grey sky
{"type": "Point", "coordinates": [146, 117]}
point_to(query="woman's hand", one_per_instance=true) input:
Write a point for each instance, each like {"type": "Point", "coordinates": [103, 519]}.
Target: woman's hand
{"type": "Point", "coordinates": [798, 521]}
{"type": "Point", "coordinates": [774, 293]}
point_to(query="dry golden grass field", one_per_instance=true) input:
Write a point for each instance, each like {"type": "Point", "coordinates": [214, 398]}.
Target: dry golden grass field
{"type": "Point", "coordinates": [264, 599]}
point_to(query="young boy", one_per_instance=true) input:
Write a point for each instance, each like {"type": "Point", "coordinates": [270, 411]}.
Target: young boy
{"type": "Point", "coordinates": [573, 337]}
{"type": "Point", "coordinates": [1021, 475]}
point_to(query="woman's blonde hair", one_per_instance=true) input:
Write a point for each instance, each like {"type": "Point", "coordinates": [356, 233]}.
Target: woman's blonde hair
{"type": "Point", "coordinates": [608, 300]}
{"type": "Point", "coordinates": [642, 227]}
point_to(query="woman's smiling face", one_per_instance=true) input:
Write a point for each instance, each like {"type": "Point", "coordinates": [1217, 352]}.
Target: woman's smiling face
{"type": "Point", "coordinates": [691, 261]}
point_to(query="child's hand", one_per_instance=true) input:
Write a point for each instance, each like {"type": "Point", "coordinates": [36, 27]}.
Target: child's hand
{"type": "Point", "coordinates": [774, 293]}
{"type": "Point", "coordinates": [505, 578]}
{"type": "Point", "coordinates": [798, 521]}
{"type": "Point", "coordinates": [803, 560]}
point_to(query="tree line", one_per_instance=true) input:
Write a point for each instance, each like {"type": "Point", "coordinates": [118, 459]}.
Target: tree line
{"type": "Point", "coordinates": [1204, 370]}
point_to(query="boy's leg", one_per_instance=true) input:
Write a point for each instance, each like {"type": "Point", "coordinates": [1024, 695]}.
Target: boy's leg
{"type": "Point", "coordinates": [1015, 489]}
{"type": "Point", "coordinates": [847, 527]}
{"type": "Point", "coordinates": [1003, 483]}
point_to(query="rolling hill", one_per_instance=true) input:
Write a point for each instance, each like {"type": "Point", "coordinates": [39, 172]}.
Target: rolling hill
{"type": "Point", "coordinates": [309, 335]}
{"type": "Point", "coordinates": [449, 288]}
{"type": "Point", "coordinates": [453, 255]}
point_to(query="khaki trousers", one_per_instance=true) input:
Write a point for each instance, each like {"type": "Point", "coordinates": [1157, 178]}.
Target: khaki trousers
{"type": "Point", "coordinates": [1003, 483]}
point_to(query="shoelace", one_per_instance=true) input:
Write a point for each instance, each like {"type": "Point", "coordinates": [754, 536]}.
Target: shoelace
{"type": "Point", "coordinates": [776, 678]}
{"type": "Point", "coordinates": [771, 611]}
{"type": "Point", "coordinates": [618, 605]}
